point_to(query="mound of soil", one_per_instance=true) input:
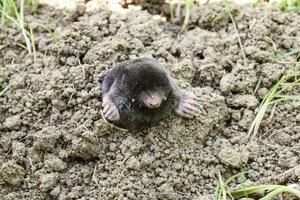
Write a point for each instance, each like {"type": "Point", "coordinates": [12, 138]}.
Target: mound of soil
{"type": "Point", "coordinates": [54, 143]}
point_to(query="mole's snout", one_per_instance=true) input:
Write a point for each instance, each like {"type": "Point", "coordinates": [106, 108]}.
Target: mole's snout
{"type": "Point", "coordinates": [152, 101]}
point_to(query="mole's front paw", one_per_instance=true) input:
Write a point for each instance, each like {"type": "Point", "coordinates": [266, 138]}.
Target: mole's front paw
{"type": "Point", "coordinates": [188, 105]}
{"type": "Point", "coordinates": [110, 111]}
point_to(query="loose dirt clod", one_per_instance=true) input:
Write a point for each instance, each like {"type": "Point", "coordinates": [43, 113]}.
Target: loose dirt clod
{"type": "Point", "coordinates": [12, 173]}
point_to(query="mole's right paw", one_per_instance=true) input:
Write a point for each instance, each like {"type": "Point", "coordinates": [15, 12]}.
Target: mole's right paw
{"type": "Point", "coordinates": [188, 105]}
{"type": "Point", "coordinates": [110, 111]}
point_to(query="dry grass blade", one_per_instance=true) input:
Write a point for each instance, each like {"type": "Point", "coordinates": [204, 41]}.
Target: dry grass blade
{"type": "Point", "coordinates": [94, 178]}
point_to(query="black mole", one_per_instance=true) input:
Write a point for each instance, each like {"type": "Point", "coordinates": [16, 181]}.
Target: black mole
{"type": "Point", "coordinates": [138, 93]}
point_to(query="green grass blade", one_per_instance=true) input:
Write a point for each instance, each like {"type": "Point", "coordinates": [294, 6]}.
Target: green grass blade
{"type": "Point", "coordinates": [32, 42]}
{"type": "Point", "coordinates": [4, 9]}
{"type": "Point", "coordinates": [21, 15]}
{"type": "Point", "coordinates": [33, 4]}
{"type": "Point", "coordinates": [275, 95]}
{"type": "Point", "coordinates": [281, 190]}
{"type": "Point", "coordinates": [244, 192]}
{"type": "Point", "coordinates": [257, 85]}
{"type": "Point", "coordinates": [54, 37]}
{"type": "Point", "coordinates": [2, 46]}
{"type": "Point", "coordinates": [257, 121]}
{"type": "Point", "coordinates": [272, 112]}
{"type": "Point", "coordinates": [24, 32]}
{"type": "Point", "coordinates": [281, 57]}
{"type": "Point", "coordinates": [222, 188]}
{"type": "Point", "coordinates": [172, 11]}
{"type": "Point", "coordinates": [237, 33]}
{"type": "Point", "coordinates": [4, 90]}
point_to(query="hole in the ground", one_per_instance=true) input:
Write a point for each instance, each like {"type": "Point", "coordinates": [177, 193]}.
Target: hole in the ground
{"type": "Point", "coordinates": [200, 55]}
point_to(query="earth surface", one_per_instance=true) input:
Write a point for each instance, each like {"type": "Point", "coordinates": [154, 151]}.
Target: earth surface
{"type": "Point", "coordinates": [54, 144]}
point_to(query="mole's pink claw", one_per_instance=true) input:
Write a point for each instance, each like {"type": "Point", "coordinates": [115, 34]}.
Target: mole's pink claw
{"type": "Point", "coordinates": [188, 105]}
{"type": "Point", "coordinates": [110, 110]}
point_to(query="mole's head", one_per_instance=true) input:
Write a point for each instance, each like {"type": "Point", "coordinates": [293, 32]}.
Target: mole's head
{"type": "Point", "coordinates": [147, 84]}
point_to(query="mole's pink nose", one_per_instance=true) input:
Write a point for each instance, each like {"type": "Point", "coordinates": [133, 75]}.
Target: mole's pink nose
{"type": "Point", "coordinates": [154, 104]}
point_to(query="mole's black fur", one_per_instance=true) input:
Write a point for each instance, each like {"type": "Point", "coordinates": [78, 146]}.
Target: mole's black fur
{"type": "Point", "coordinates": [129, 79]}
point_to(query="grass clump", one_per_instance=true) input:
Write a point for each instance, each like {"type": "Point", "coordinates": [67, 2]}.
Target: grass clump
{"type": "Point", "coordinates": [270, 191]}
{"type": "Point", "coordinates": [287, 5]}
{"type": "Point", "coordinates": [222, 193]}
{"type": "Point", "coordinates": [284, 5]}
{"type": "Point", "coordinates": [9, 8]}
{"type": "Point", "coordinates": [176, 15]}
{"type": "Point", "coordinates": [277, 94]}
{"type": "Point", "coordinates": [13, 12]}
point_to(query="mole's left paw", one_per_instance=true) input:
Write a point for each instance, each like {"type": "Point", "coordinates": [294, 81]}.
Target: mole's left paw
{"type": "Point", "coordinates": [111, 111]}
{"type": "Point", "coordinates": [188, 105]}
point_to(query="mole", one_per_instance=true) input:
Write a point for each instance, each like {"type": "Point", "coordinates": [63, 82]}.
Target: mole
{"type": "Point", "coordinates": [138, 93]}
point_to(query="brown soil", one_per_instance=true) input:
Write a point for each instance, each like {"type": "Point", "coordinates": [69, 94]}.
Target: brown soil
{"type": "Point", "coordinates": [55, 145]}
